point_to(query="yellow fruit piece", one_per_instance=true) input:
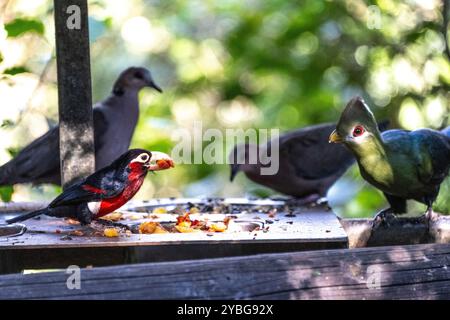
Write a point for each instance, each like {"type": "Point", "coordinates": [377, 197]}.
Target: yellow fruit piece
{"type": "Point", "coordinates": [184, 229]}
{"type": "Point", "coordinates": [111, 232]}
{"type": "Point", "coordinates": [115, 216]}
{"type": "Point", "coordinates": [159, 210]}
{"type": "Point", "coordinates": [159, 229]}
{"type": "Point", "coordinates": [151, 228]}
{"type": "Point", "coordinates": [218, 227]}
{"type": "Point", "coordinates": [185, 224]}
{"type": "Point", "coordinates": [147, 227]}
{"type": "Point", "coordinates": [194, 210]}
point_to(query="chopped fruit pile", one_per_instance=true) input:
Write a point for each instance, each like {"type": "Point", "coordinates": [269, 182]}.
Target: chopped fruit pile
{"type": "Point", "coordinates": [186, 225]}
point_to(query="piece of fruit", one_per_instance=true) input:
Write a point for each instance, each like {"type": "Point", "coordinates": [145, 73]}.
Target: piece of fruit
{"type": "Point", "coordinates": [194, 210]}
{"type": "Point", "coordinates": [184, 229]}
{"type": "Point", "coordinates": [218, 227]}
{"type": "Point", "coordinates": [159, 210]}
{"type": "Point", "coordinates": [151, 228]}
{"type": "Point", "coordinates": [165, 163]}
{"type": "Point", "coordinates": [160, 230]}
{"type": "Point", "coordinates": [114, 216]}
{"type": "Point", "coordinates": [185, 224]}
{"type": "Point", "coordinates": [111, 232]}
{"type": "Point", "coordinates": [77, 233]}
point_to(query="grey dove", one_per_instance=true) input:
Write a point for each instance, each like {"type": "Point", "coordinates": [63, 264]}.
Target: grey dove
{"type": "Point", "coordinates": [115, 119]}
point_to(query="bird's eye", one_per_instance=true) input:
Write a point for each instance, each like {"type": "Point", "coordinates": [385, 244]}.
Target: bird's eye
{"type": "Point", "coordinates": [357, 131]}
{"type": "Point", "coordinates": [144, 157]}
{"type": "Point", "coordinates": [139, 75]}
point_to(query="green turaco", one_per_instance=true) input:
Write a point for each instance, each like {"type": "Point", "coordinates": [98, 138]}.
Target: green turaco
{"type": "Point", "coordinates": [402, 164]}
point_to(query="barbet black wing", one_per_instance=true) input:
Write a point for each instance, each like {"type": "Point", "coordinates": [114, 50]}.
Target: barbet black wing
{"type": "Point", "coordinates": [103, 184]}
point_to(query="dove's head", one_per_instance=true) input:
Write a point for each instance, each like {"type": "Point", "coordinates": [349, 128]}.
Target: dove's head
{"type": "Point", "coordinates": [134, 78]}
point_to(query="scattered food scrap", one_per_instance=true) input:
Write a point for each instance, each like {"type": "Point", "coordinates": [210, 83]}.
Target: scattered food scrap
{"type": "Point", "coordinates": [151, 228]}
{"type": "Point", "coordinates": [114, 216]}
{"type": "Point", "coordinates": [111, 232]}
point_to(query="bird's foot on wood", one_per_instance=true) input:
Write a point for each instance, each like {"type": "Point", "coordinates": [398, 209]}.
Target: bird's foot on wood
{"type": "Point", "coordinates": [383, 217]}
{"type": "Point", "coordinates": [429, 216]}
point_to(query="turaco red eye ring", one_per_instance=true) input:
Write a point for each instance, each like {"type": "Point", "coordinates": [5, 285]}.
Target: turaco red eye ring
{"type": "Point", "coordinates": [358, 131]}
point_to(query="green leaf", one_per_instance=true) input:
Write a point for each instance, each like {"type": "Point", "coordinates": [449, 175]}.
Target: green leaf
{"type": "Point", "coordinates": [20, 26]}
{"type": "Point", "coordinates": [7, 123]}
{"type": "Point", "coordinates": [6, 193]}
{"type": "Point", "coordinates": [13, 151]}
{"type": "Point", "coordinates": [16, 70]}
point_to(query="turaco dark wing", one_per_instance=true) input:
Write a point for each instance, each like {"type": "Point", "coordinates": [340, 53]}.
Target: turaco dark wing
{"type": "Point", "coordinates": [432, 152]}
{"type": "Point", "coordinates": [309, 152]}
{"type": "Point", "coordinates": [103, 184]}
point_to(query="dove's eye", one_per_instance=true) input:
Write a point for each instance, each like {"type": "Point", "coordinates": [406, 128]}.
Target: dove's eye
{"type": "Point", "coordinates": [357, 131]}
{"type": "Point", "coordinates": [139, 75]}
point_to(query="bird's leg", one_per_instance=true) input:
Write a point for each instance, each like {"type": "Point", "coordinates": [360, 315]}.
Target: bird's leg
{"type": "Point", "coordinates": [397, 205]}
{"type": "Point", "coordinates": [429, 215]}
{"type": "Point", "coordinates": [382, 217]}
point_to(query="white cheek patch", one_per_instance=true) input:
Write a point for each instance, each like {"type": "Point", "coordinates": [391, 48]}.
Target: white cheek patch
{"type": "Point", "coordinates": [94, 207]}
{"type": "Point", "coordinates": [361, 138]}
{"type": "Point", "coordinates": [141, 158]}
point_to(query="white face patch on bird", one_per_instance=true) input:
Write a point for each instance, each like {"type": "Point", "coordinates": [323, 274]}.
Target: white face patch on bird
{"type": "Point", "coordinates": [142, 158]}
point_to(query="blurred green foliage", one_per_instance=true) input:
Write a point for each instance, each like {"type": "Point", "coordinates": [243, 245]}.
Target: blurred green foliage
{"type": "Point", "coordinates": [20, 26]}
{"type": "Point", "coordinates": [249, 64]}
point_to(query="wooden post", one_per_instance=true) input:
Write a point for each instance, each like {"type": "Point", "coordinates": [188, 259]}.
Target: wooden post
{"type": "Point", "coordinates": [74, 90]}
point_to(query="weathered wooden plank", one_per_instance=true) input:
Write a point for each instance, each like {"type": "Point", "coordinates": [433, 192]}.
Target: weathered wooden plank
{"type": "Point", "coordinates": [74, 89]}
{"type": "Point", "coordinates": [399, 231]}
{"type": "Point", "coordinates": [400, 272]}
{"type": "Point", "coordinates": [307, 226]}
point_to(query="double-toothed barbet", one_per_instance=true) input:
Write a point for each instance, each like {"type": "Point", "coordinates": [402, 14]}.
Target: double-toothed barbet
{"type": "Point", "coordinates": [402, 164]}
{"type": "Point", "coordinates": [308, 164]}
{"type": "Point", "coordinates": [115, 119]}
{"type": "Point", "coordinates": [105, 190]}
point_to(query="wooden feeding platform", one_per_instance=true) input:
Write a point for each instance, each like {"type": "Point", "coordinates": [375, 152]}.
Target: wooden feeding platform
{"type": "Point", "coordinates": [259, 226]}
{"type": "Point", "coordinates": [397, 272]}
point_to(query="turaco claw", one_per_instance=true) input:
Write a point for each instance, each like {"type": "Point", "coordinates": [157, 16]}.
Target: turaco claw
{"type": "Point", "coordinates": [383, 217]}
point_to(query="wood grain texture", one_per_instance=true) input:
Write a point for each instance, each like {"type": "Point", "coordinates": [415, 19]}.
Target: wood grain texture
{"type": "Point", "coordinates": [404, 272]}
{"type": "Point", "coordinates": [398, 231]}
{"type": "Point", "coordinates": [74, 90]}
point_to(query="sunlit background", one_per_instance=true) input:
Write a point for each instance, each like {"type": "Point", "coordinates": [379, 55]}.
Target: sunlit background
{"type": "Point", "coordinates": [234, 64]}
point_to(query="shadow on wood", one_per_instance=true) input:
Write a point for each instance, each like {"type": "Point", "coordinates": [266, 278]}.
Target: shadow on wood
{"type": "Point", "coordinates": [400, 231]}
{"type": "Point", "coordinates": [401, 272]}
